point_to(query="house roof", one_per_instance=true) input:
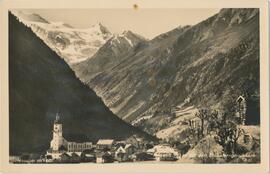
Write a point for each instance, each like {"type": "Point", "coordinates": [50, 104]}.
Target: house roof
{"type": "Point", "coordinates": [121, 150]}
{"type": "Point", "coordinates": [164, 149]}
{"type": "Point", "coordinates": [105, 142]}
{"type": "Point", "coordinates": [89, 155]}
{"type": "Point", "coordinates": [128, 145]}
{"type": "Point", "coordinates": [65, 154]}
{"type": "Point", "coordinates": [151, 150]}
{"type": "Point", "coordinates": [139, 139]}
{"type": "Point", "coordinates": [74, 153]}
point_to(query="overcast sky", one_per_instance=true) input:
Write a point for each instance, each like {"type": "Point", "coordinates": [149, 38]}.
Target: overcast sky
{"type": "Point", "coordinates": [146, 22]}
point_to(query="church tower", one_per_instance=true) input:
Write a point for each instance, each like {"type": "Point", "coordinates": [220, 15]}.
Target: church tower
{"type": "Point", "coordinates": [241, 109]}
{"type": "Point", "coordinates": [58, 139]}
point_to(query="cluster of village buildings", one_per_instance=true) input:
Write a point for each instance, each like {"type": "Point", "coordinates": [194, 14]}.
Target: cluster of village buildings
{"type": "Point", "coordinates": [133, 148]}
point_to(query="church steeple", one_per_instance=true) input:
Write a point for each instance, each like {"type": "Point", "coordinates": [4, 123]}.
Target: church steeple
{"type": "Point", "coordinates": [58, 139]}
{"type": "Point", "coordinates": [57, 118]}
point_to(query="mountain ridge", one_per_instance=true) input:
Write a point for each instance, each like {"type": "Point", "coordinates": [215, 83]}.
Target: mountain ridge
{"type": "Point", "coordinates": [109, 54]}
{"type": "Point", "coordinates": [199, 66]}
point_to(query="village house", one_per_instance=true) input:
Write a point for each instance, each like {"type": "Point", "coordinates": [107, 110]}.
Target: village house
{"type": "Point", "coordinates": [135, 141]}
{"type": "Point", "coordinates": [164, 152]}
{"type": "Point", "coordinates": [117, 144]}
{"type": "Point", "coordinates": [87, 157]}
{"type": "Point", "coordinates": [123, 153]}
{"type": "Point", "coordinates": [70, 157]}
{"type": "Point", "coordinates": [104, 157]}
{"type": "Point", "coordinates": [130, 149]}
{"type": "Point", "coordinates": [105, 144]}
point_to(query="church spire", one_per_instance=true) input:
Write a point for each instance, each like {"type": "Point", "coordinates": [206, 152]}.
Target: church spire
{"type": "Point", "coordinates": [57, 118]}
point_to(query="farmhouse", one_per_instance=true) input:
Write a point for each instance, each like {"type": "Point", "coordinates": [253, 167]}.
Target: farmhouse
{"type": "Point", "coordinates": [123, 153]}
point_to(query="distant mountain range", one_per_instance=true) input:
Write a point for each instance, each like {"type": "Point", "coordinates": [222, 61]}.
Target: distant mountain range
{"type": "Point", "coordinates": [155, 84]}
{"type": "Point", "coordinates": [206, 65]}
{"type": "Point", "coordinates": [74, 45]}
{"type": "Point", "coordinates": [42, 84]}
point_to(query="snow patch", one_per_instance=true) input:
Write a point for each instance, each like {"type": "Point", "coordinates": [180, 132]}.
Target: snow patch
{"type": "Point", "coordinates": [129, 41]}
{"type": "Point", "coordinates": [138, 120]}
{"type": "Point", "coordinates": [134, 109]}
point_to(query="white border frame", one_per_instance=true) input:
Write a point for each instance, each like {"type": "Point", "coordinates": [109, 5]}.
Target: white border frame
{"type": "Point", "coordinates": [263, 167]}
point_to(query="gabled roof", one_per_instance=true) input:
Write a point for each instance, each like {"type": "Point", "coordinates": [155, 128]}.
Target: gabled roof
{"type": "Point", "coordinates": [105, 142]}
{"type": "Point", "coordinates": [120, 150]}
{"type": "Point", "coordinates": [65, 154]}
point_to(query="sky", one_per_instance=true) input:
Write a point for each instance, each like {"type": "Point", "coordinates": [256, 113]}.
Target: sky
{"type": "Point", "coordinates": [146, 22]}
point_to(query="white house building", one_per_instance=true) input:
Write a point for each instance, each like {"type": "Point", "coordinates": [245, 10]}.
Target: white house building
{"type": "Point", "coordinates": [163, 151]}
{"type": "Point", "coordinates": [105, 143]}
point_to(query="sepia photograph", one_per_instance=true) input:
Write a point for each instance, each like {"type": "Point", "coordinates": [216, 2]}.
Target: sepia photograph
{"type": "Point", "coordinates": [190, 94]}
{"type": "Point", "coordinates": [119, 86]}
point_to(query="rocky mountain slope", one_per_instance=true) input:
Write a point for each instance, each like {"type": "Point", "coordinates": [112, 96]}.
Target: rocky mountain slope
{"type": "Point", "coordinates": [206, 65]}
{"type": "Point", "coordinates": [74, 45]}
{"type": "Point", "coordinates": [41, 84]}
{"type": "Point", "coordinates": [109, 55]}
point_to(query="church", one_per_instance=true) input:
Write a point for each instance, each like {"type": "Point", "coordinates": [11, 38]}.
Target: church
{"type": "Point", "coordinates": [60, 145]}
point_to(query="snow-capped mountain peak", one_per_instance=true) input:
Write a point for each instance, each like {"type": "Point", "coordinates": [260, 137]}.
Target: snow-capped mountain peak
{"type": "Point", "coordinates": [76, 45]}
{"type": "Point", "coordinates": [121, 38]}
{"type": "Point", "coordinates": [99, 28]}
{"type": "Point", "coordinates": [72, 44]}
{"type": "Point", "coordinates": [126, 36]}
